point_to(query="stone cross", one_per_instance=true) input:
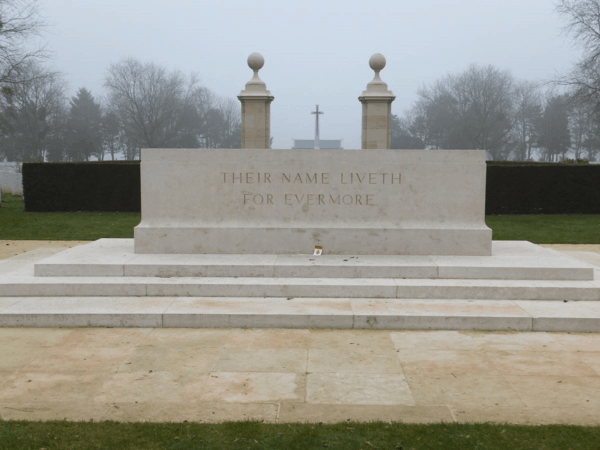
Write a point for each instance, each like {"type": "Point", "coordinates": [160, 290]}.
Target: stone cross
{"type": "Point", "coordinates": [316, 113]}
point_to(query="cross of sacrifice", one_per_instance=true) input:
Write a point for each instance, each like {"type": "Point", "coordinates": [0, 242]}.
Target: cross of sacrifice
{"type": "Point", "coordinates": [316, 113]}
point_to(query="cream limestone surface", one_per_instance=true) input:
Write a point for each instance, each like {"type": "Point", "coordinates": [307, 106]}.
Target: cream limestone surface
{"type": "Point", "coordinates": [286, 375]}
{"type": "Point", "coordinates": [213, 375]}
{"type": "Point", "coordinates": [515, 260]}
{"type": "Point", "coordinates": [265, 201]}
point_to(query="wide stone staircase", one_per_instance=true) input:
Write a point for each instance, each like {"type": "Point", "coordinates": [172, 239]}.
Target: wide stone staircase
{"type": "Point", "coordinates": [522, 286]}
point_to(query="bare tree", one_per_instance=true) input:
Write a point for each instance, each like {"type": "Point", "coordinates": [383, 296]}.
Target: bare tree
{"type": "Point", "coordinates": [111, 134]}
{"type": "Point", "coordinates": [471, 110]}
{"type": "Point", "coordinates": [34, 114]}
{"type": "Point", "coordinates": [219, 120]}
{"type": "Point", "coordinates": [528, 111]}
{"type": "Point", "coordinates": [152, 105]}
{"type": "Point", "coordinates": [232, 123]}
{"type": "Point", "coordinates": [405, 133]}
{"type": "Point", "coordinates": [19, 23]}
{"type": "Point", "coordinates": [583, 25]}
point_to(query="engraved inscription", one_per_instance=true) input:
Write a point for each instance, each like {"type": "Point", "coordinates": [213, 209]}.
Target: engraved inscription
{"type": "Point", "coordinates": [307, 179]}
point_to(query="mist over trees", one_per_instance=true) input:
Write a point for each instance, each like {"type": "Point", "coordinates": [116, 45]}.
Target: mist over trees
{"type": "Point", "coordinates": [486, 108]}
{"type": "Point", "coordinates": [32, 115]}
{"type": "Point", "coordinates": [143, 104]}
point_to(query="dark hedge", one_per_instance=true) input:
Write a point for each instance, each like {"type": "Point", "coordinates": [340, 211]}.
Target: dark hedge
{"type": "Point", "coordinates": [512, 187]}
{"type": "Point", "coordinates": [105, 186]}
{"type": "Point", "coordinates": [538, 188]}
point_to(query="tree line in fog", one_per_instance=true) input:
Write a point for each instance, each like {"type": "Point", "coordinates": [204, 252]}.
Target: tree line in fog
{"type": "Point", "coordinates": [486, 108]}
{"type": "Point", "coordinates": [145, 105]}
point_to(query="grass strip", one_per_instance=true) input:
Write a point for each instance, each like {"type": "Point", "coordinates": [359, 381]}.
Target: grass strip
{"type": "Point", "coordinates": [16, 435]}
{"type": "Point", "coordinates": [17, 224]}
{"type": "Point", "coordinates": [547, 229]}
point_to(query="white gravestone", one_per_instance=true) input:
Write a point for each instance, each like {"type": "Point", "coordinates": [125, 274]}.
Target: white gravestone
{"type": "Point", "coordinates": [255, 201]}
{"type": "Point", "coordinates": [11, 182]}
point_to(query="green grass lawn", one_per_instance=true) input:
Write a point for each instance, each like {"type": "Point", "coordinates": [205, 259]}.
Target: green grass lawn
{"type": "Point", "coordinates": [257, 435]}
{"type": "Point", "coordinates": [547, 229]}
{"type": "Point", "coordinates": [15, 223]}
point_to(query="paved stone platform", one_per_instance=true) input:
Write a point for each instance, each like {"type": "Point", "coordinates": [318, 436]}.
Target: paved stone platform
{"type": "Point", "coordinates": [321, 375]}
{"type": "Point", "coordinates": [282, 375]}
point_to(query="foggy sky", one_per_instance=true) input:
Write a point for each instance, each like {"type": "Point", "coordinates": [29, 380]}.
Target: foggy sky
{"type": "Point", "coordinates": [316, 52]}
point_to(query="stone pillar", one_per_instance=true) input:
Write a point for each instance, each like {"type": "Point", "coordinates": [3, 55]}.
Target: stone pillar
{"type": "Point", "coordinates": [256, 108]}
{"type": "Point", "coordinates": [377, 109]}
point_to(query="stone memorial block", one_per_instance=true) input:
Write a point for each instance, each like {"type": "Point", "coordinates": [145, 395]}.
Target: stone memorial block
{"type": "Point", "coordinates": [362, 202]}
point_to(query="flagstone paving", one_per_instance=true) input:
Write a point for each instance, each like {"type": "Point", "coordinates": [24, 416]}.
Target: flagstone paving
{"type": "Point", "coordinates": [280, 375]}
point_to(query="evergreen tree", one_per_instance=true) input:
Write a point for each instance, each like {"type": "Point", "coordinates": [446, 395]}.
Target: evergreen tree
{"type": "Point", "coordinates": [84, 128]}
{"type": "Point", "coordinates": [553, 129]}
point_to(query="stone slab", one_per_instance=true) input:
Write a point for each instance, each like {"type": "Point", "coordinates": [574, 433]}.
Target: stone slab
{"type": "Point", "coordinates": [325, 413]}
{"type": "Point", "coordinates": [480, 341]}
{"type": "Point", "coordinates": [439, 315]}
{"type": "Point", "coordinates": [211, 412]}
{"type": "Point", "coordinates": [563, 316]}
{"type": "Point", "coordinates": [9, 301]}
{"type": "Point", "coordinates": [23, 285]}
{"type": "Point", "coordinates": [57, 410]}
{"type": "Point", "coordinates": [295, 313]}
{"type": "Point", "coordinates": [101, 258]}
{"type": "Point", "coordinates": [25, 258]}
{"type": "Point", "coordinates": [354, 266]}
{"type": "Point", "coordinates": [259, 313]}
{"type": "Point", "coordinates": [518, 260]}
{"type": "Point", "coordinates": [358, 389]}
{"type": "Point", "coordinates": [200, 266]}
{"type": "Point", "coordinates": [267, 201]}
{"type": "Point", "coordinates": [85, 312]}
{"type": "Point", "coordinates": [29, 286]}
{"type": "Point", "coordinates": [272, 287]}
{"type": "Point", "coordinates": [528, 415]}
{"type": "Point", "coordinates": [515, 260]}
{"type": "Point", "coordinates": [498, 289]}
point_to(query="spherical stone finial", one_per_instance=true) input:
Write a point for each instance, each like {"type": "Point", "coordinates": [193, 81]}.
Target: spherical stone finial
{"type": "Point", "coordinates": [256, 61]}
{"type": "Point", "coordinates": [377, 62]}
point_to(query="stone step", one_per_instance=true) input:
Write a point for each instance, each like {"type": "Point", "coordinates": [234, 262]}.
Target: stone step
{"type": "Point", "coordinates": [510, 261]}
{"type": "Point", "coordinates": [28, 286]}
{"type": "Point", "coordinates": [439, 314]}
